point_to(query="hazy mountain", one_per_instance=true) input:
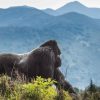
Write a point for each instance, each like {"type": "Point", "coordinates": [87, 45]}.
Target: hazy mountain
{"type": "Point", "coordinates": [24, 28]}
{"type": "Point", "coordinates": [23, 16]}
{"type": "Point", "coordinates": [75, 7]}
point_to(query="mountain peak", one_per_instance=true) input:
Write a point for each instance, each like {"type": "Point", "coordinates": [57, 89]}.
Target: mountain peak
{"type": "Point", "coordinates": [74, 4]}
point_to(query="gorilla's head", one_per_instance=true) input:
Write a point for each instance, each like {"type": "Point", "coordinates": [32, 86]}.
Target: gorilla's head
{"type": "Point", "coordinates": [54, 46]}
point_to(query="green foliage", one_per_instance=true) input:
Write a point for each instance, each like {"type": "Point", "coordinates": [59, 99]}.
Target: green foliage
{"type": "Point", "coordinates": [39, 89]}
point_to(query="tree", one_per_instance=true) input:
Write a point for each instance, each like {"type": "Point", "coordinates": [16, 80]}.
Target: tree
{"type": "Point", "coordinates": [92, 87]}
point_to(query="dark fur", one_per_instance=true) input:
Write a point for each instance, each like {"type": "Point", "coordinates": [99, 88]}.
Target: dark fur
{"type": "Point", "coordinates": [62, 83]}
{"type": "Point", "coordinates": [43, 61]}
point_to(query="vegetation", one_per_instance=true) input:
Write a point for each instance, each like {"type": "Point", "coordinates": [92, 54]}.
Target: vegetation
{"type": "Point", "coordinates": [92, 92]}
{"type": "Point", "coordinates": [39, 89]}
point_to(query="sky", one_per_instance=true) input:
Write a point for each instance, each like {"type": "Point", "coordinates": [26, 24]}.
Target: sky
{"type": "Point", "coordinates": [42, 4]}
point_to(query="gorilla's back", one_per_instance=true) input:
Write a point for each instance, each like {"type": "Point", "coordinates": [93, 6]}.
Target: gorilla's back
{"type": "Point", "coordinates": [7, 62]}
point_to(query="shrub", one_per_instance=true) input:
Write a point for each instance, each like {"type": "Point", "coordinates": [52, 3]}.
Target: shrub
{"type": "Point", "coordinates": [39, 89]}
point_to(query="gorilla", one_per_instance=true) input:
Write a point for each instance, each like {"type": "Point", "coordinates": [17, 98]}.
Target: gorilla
{"type": "Point", "coordinates": [44, 61]}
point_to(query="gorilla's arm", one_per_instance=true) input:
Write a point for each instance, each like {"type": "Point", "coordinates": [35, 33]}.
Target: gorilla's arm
{"type": "Point", "coordinates": [59, 77]}
{"type": "Point", "coordinates": [57, 62]}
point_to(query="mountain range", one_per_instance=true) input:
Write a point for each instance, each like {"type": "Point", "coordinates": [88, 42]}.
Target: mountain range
{"type": "Point", "coordinates": [75, 7]}
{"type": "Point", "coordinates": [24, 28]}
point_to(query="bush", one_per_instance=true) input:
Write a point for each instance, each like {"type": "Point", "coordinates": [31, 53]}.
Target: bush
{"type": "Point", "coordinates": [39, 89]}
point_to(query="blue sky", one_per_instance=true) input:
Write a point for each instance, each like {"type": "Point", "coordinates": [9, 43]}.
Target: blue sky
{"type": "Point", "coordinates": [42, 4]}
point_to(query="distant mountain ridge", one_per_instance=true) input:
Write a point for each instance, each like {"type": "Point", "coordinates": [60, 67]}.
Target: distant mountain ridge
{"type": "Point", "coordinates": [24, 28]}
{"type": "Point", "coordinates": [24, 16]}
{"type": "Point", "coordinates": [75, 7]}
